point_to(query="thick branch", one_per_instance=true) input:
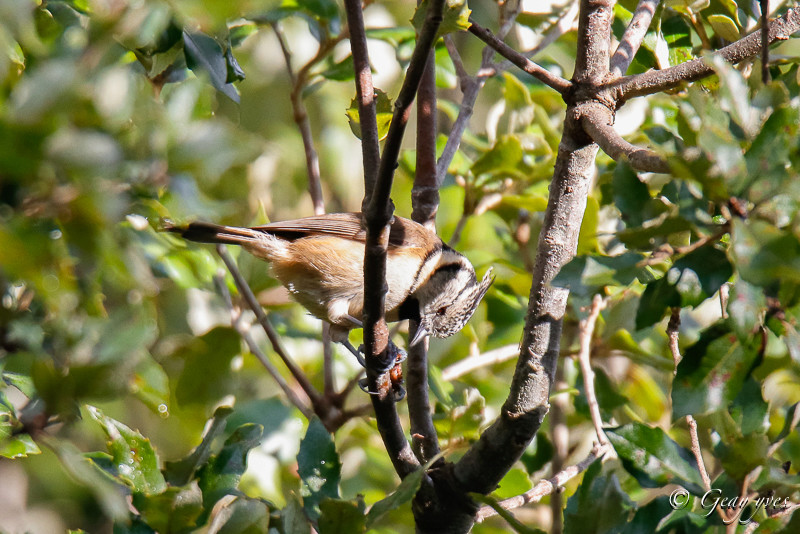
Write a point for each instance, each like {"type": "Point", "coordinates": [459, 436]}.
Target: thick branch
{"type": "Point", "coordinates": [594, 41]}
{"type": "Point", "coordinates": [487, 461]}
{"type": "Point", "coordinates": [656, 81]}
{"type": "Point", "coordinates": [597, 120]}
{"type": "Point", "coordinates": [365, 93]}
{"type": "Point", "coordinates": [633, 36]}
{"type": "Point", "coordinates": [543, 75]}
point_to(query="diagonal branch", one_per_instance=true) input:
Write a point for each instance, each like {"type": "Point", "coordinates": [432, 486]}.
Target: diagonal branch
{"type": "Point", "coordinates": [236, 320]}
{"type": "Point", "coordinates": [656, 81]}
{"type": "Point", "coordinates": [486, 462]}
{"type": "Point", "coordinates": [263, 320]}
{"type": "Point", "coordinates": [597, 120]}
{"type": "Point", "coordinates": [543, 75]}
{"type": "Point", "coordinates": [547, 487]}
{"type": "Point", "coordinates": [633, 36]}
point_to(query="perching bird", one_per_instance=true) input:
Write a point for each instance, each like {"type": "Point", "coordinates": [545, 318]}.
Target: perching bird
{"type": "Point", "coordinates": [320, 261]}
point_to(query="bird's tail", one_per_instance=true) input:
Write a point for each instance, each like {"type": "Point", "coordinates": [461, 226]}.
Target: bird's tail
{"type": "Point", "coordinates": [203, 232]}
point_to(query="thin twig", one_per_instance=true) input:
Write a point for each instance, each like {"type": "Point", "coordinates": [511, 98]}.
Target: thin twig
{"type": "Point", "coordinates": [597, 120]}
{"type": "Point", "coordinates": [633, 36]}
{"type": "Point", "coordinates": [263, 320]}
{"type": "Point", "coordinates": [543, 75]}
{"type": "Point", "coordinates": [471, 363]}
{"type": "Point", "coordinates": [701, 466]}
{"type": "Point", "coordinates": [236, 321]}
{"type": "Point", "coordinates": [546, 487]}
{"type": "Point", "coordinates": [673, 334]}
{"type": "Point", "coordinates": [586, 330]}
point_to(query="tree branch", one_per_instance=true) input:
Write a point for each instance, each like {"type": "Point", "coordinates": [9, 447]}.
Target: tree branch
{"type": "Point", "coordinates": [300, 115]}
{"type": "Point", "coordinates": [546, 487]}
{"type": "Point", "coordinates": [656, 81]}
{"type": "Point", "coordinates": [485, 463]}
{"type": "Point", "coordinates": [633, 36]}
{"type": "Point", "coordinates": [586, 331]}
{"type": "Point", "coordinates": [377, 216]}
{"type": "Point", "coordinates": [425, 204]}
{"type": "Point", "coordinates": [471, 363]}
{"type": "Point", "coordinates": [597, 120]}
{"type": "Point", "coordinates": [365, 93]}
{"type": "Point", "coordinates": [274, 339]}
{"type": "Point", "coordinates": [543, 75]}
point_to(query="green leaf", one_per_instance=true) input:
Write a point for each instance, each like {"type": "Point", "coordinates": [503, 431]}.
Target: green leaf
{"type": "Point", "coordinates": [455, 17]}
{"type": "Point", "coordinates": [724, 27]}
{"type": "Point", "coordinates": [293, 520]}
{"type": "Point", "coordinates": [599, 505]}
{"type": "Point", "coordinates": [744, 306]}
{"type": "Point", "coordinates": [151, 385]}
{"type": "Point", "coordinates": [240, 515]}
{"type": "Point", "coordinates": [712, 372]}
{"type": "Point", "coordinates": [504, 156]}
{"type": "Point", "coordinates": [657, 298]}
{"type": "Point", "coordinates": [764, 254]}
{"type": "Point", "coordinates": [221, 475]}
{"type": "Point", "coordinates": [403, 494]}
{"type": "Point", "coordinates": [515, 482]}
{"type": "Point", "coordinates": [678, 36]}
{"type": "Point", "coordinates": [180, 472]}
{"type": "Point", "coordinates": [175, 510]}
{"type": "Point", "coordinates": [383, 111]}
{"type": "Point", "coordinates": [319, 468]}
{"type": "Point", "coordinates": [15, 446]}
{"type": "Point", "coordinates": [341, 71]}
{"type": "Point", "coordinates": [588, 274]}
{"type": "Point", "coordinates": [207, 374]}
{"type": "Point", "coordinates": [631, 195]}
{"type": "Point", "coordinates": [204, 54]}
{"type": "Point", "coordinates": [342, 517]}
{"type": "Point", "coordinates": [653, 458]}
{"type": "Point", "coordinates": [538, 454]}
{"type": "Point", "coordinates": [135, 460]}
{"type": "Point", "coordinates": [749, 409]}
{"type": "Point", "coordinates": [709, 265]}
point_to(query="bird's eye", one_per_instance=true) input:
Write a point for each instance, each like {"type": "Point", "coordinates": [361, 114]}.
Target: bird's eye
{"type": "Point", "coordinates": [441, 311]}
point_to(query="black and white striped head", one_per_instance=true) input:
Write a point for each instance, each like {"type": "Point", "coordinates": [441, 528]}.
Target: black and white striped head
{"type": "Point", "coordinates": [450, 296]}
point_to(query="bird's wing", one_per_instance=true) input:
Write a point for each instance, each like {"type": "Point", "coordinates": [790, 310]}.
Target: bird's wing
{"type": "Point", "coordinates": [403, 232]}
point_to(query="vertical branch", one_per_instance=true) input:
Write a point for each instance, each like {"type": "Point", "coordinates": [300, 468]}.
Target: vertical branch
{"type": "Point", "coordinates": [425, 202]}
{"type": "Point", "coordinates": [586, 330]}
{"type": "Point", "coordinates": [764, 41]}
{"type": "Point", "coordinates": [485, 463]}
{"type": "Point", "coordinates": [425, 193]}
{"type": "Point", "coordinates": [365, 93]}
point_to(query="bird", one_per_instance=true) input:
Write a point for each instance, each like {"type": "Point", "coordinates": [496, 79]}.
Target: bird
{"type": "Point", "coordinates": [320, 260]}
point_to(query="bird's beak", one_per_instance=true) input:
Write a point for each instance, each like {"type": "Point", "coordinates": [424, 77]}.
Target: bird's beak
{"type": "Point", "coordinates": [418, 336]}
